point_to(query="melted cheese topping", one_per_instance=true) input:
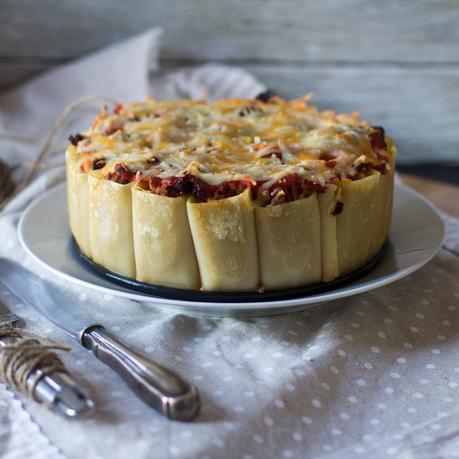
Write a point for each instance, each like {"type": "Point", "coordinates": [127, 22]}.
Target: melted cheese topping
{"type": "Point", "coordinates": [236, 139]}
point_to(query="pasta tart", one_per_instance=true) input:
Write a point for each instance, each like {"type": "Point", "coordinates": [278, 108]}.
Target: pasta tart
{"type": "Point", "coordinates": [234, 195]}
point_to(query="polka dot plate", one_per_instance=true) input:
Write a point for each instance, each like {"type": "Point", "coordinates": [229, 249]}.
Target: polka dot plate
{"type": "Point", "coordinates": [415, 236]}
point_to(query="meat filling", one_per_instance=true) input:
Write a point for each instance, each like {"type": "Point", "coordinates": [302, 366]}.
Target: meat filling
{"type": "Point", "coordinates": [287, 189]}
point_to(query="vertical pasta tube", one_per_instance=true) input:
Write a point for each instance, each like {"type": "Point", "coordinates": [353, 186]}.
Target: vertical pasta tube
{"type": "Point", "coordinates": [384, 204]}
{"type": "Point", "coordinates": [390, 185]}
{"type": "Point", "coordinates": [328, 201]}
{"type": "Point", "coordinates": [77, 202]}
{"type": "Point", "coordinates": [164, 251]}
{"type": "Point", "coordinates": [110, 225]}
{"type": "Point", "coordinates": [381, 204]}
{"type": "Point", "coordinates": [355, 225]}
{"type": "Point", "coordinates": [288, 238]}
{"type": "Point", "coordinates": [225, 241]}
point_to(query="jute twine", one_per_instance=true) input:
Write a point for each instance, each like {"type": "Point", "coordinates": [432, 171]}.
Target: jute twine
{"type": "Point", "coordinates": [26, 355]}
{"type": "Point", "coordinates": [7, 190]}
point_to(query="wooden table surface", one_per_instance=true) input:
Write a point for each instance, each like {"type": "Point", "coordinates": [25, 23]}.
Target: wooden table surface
{"type": "Point", "coordinates": [443, 195]}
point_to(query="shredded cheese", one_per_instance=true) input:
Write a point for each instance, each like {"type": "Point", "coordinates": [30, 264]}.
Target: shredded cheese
{"type": "Point", "coordinates": [235, 139]}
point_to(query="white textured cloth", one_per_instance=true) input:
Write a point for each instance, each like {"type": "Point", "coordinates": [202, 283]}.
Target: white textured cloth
{"type": "Point", "coordinates": [20, 437]}
{"type": "Point", "coordinates": [376, 374]}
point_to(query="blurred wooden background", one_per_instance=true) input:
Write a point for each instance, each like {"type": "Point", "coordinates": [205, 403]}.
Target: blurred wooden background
{"type": "Point", "coordinates": [397, 62]}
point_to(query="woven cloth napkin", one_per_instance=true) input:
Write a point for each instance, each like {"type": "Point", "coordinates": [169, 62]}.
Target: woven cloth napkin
{"type": "Point", "coordinates": [375, 374]}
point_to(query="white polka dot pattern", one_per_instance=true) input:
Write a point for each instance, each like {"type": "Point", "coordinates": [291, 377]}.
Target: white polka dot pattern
{"type": "Point", "coordinates": [374, 375]}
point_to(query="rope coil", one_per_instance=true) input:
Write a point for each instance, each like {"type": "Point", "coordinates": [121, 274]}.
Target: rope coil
{"type": "Point", "coordinates": [26, 361]}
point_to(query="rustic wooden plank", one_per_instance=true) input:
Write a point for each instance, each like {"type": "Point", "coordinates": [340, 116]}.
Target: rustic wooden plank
{"type": "Point", "coordinates": [439, 193]}
{"type": "Point", "coordinates": [287, 30]}
{"type": "Point", "coordinates": [447, 172]}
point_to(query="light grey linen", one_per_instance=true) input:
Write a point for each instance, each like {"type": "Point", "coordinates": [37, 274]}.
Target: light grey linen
{"type": "Point", "coordinates": [374, 374]}
{"type": "Point", "coordinates": [20, 436]}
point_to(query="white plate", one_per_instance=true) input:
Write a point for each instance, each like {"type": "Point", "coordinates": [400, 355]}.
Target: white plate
{"type": "Point", "coordinates": [415, 236]}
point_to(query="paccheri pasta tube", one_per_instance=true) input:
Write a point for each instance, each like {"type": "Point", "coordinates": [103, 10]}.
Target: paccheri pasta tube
{"type": "Point", "coordinates": [289, 243]}
{"type": "Point", "coordinates": [164, 251]}
{"type": "Point", "coordinates": [78, 204]}
{"type": "Point", "coordinates": [110, 225]}
{"type": "Point", "coordinates": [225, 242]}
